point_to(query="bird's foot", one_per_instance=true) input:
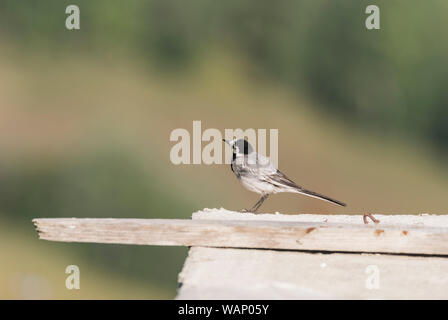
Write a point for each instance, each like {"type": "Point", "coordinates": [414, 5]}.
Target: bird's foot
{"type": "Point", "coordinates": [364, 217]}
{"type": "Point", "coordinates": [247, 211]}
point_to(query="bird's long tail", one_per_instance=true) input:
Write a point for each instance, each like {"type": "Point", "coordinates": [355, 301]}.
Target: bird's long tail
{"type": "Point", "coordinates": [281, 179]}
{"type": "Point", "coordinates": [319, 196]}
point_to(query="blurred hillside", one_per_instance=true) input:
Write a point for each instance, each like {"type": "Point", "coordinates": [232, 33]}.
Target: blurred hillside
{"type": "Point", "coordinates": [85, 119]}
{"type": "Point", "coordinates": [388, 80]}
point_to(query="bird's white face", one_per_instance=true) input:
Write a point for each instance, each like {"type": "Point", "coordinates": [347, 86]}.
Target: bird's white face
{"type": "Point", "coordinates": [239, 146]}
{"type": "Point", "coordinates": [233, 145]}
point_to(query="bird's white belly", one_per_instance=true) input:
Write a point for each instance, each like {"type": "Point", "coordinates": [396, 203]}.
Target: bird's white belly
{"type": "Point", "coordinates": [257, 186]}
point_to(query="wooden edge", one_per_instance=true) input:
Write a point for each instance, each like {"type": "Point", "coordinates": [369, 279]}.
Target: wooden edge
{"type": "Point", "coordinates": [260, 234]}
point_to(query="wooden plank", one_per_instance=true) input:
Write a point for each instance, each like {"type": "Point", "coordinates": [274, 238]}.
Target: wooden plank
{"type": "Point", "coordinates": [387, 220]}
{"type": "Point", "coordinates": [217, 273]}
{"type": "Point", "coordinates": [264, 234]}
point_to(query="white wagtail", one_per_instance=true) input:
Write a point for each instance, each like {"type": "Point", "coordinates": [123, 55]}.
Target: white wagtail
{"type": "Point", "coordinates": [257, 174]}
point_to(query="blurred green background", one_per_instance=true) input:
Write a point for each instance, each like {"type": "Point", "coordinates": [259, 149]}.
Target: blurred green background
{"type": "Point", "coordinates": [85, 119]}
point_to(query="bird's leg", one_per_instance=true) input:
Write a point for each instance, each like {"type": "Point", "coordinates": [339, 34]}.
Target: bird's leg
{"type": "Point", "coordinates": [364, 217]}
{"type": "Point", "coordinates": [257, 205]}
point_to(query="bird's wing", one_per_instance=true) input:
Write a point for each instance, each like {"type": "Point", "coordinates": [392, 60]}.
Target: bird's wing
{"type": "Point", "coordinates": [278, 178]}
{"type": "Point", "coordinates": [281, 180]}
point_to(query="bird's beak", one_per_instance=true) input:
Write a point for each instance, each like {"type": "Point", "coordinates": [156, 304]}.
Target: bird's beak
{"type": "Point", "coordinates": [226, 141]}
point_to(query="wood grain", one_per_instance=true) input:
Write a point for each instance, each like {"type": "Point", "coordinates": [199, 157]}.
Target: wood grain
{"type": "Point", "coordinates": [334, 237]}
{"type": "Point", "coordinates": [217, 273]}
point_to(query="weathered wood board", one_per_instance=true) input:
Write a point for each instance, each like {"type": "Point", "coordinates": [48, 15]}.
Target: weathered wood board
{"type": "Point", "coordinates": [322, 256]}
{"type": "Point", "coordinates": [216, 273]}
{"type": "Point", "coordinates": [218, 228]}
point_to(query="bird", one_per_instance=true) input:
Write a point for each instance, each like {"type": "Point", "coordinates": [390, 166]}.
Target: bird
{"type": "Point", "coordinates": [257, 174]}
